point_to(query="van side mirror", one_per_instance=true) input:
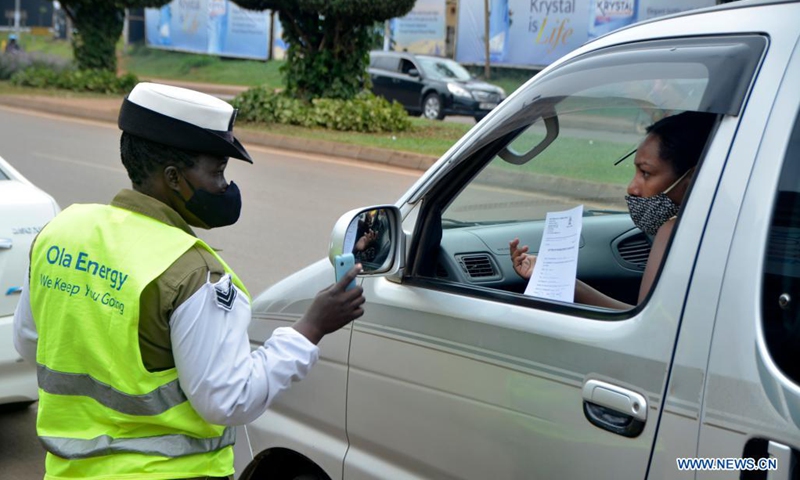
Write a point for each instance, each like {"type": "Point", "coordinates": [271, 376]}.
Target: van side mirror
{"type": "Point", "coordinates": [413, 72]}
{"type": "Point", "coordinates": [373, 235]}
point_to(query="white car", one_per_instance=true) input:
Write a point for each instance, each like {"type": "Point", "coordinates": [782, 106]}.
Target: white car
{"type": "Point", "coordinates": [455, 372]}
{"type": "Point", "coordinates": [24, 210]}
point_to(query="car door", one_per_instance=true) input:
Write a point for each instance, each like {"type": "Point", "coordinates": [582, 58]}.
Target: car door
{"type": "Point", "coordinates": [453, 371]}
{"type": "Point", "coordinates": [383, 74]}
{"type": "Point", "coordinates": [24, 211]}
{"type": "Point", "coordinates": [409, 86]}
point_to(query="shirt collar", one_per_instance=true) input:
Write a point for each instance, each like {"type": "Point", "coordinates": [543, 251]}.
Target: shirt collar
{"type": "Point", "coordinates": [146, 205]}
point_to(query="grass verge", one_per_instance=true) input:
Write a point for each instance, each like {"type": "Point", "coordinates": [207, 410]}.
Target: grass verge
{"type": "Point", "coordinates": [150, 62]}
{"type": "Point", "coordinates": [426, 137]}
{"type": "Point", "coordinates": [568, 157]}
{"type": "Point", "coordinates": [41, 43]}
{"type": "Point", "coordinates": [6, 88]}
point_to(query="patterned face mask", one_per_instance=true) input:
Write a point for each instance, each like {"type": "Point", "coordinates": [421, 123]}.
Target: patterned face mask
{"type": "Point", "coordinates": [649, 213]}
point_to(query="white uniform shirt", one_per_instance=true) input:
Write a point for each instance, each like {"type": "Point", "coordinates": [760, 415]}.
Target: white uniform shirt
{"type": "Point", "coordinates": [226, 382]}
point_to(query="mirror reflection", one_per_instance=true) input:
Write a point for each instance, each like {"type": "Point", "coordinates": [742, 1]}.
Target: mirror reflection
{"type": "Point", "coordinates": [369, 238]}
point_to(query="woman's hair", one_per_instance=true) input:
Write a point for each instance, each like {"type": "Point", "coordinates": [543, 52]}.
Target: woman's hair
{"type": "Point", "coordinates": [141, 157]}
{"type": "Point", "coordinates": [682, 138]}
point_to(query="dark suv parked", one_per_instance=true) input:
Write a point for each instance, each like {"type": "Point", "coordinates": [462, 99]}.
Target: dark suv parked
{"type": "Point", "coordinates": [432, 86]}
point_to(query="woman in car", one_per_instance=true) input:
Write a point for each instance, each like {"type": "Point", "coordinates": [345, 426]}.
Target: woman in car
{"type": "Point", "coordinates": [665, 162]}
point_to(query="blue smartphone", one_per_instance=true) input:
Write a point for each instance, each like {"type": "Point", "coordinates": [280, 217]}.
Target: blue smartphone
{"type": "Point", "coordinates": [342, 264]}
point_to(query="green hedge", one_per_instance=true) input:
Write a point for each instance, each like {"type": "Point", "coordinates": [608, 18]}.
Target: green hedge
{"type": "Point", "coordinates": [364, 113]}
{"type": "Point", "coordinates": [99, 81]}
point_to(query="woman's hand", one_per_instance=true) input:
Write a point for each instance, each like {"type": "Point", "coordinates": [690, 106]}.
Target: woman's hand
{"type": "Point", "coordinates": [365, 240]}
{"type": "Point", "coordinates": [522, 261]}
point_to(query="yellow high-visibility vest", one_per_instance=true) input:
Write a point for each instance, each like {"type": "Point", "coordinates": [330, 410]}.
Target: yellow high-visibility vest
{"type": "Point", "coordinates": [101, 413]}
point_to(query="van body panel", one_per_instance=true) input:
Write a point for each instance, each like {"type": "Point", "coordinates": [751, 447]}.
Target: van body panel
{"type": "Point", "coordinates": [688, 380]}
{"type": "Point", "coordinates": [746, 395]}
{"type": "Point", "coordinates": [512, 374]}
{"type": "Point", "coordinates": [309, 418]}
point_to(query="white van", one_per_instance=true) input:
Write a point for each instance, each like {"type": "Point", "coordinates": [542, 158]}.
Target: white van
{"type": "Point", "coordinates": [453, 372]}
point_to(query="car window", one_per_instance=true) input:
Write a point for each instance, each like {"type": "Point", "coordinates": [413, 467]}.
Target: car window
{"type": "Point", "coordinates": [596, 128]}
{"type": "Point", "coordinates": [728, 63]}
{"type": "Point", "coordinates": [571, 140]}
{"type": "Point", "coordinates": [781, 287]}
{"type": "Point", "coordinates": [406, 66]}
{"type": "Point", "coordinates": [385, 62]}
{"type": "Point", "coordinates": [443, 69]}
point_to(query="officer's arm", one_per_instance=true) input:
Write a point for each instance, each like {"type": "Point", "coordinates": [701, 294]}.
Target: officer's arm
{"type": "Point", "coordinates": [224, 381]}
{"type": "Point", "coordinates": [25, 334]}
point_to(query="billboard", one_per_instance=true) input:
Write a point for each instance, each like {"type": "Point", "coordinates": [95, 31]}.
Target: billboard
{"type": "Point", "coordinates": [422, 30]}
{"type": "Point", "coordinates": [537, 32]}
{"type": "Point", "coordinates": [217, 27]}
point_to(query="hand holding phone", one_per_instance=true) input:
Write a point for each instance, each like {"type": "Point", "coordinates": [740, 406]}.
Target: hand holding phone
{"type": "Point", "coordinates": [342, 264]}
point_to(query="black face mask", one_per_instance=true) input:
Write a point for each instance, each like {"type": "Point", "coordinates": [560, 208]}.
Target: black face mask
{"type": "Point", "coordinates": [215, 210]}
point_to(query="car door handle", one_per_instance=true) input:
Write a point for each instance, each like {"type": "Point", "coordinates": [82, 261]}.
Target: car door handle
{"type": "Point", "coordinates": [6, 243]}
{"type": "Point", "coordinates": [395, 80]}
{"type": "Point", "coordinates": [614, 408]}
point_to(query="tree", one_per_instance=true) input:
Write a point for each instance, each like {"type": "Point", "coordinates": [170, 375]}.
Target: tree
{"type": "Point", "coordinates": [329, 42]}
{"type": "Point", "coordinates": [99, 24]}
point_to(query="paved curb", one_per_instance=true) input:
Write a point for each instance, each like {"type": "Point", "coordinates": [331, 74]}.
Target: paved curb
{"type": "Point", "coordinates": [245, 135]}
{"type": "Point", "coordinates": [69, 110]}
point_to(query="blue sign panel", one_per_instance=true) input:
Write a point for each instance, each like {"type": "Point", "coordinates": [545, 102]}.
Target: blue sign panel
{"type": "Point", "coordinates": [533, 33]}
{"type": "Point", "coordinates": [217, 27]}
{"type": "Point", "coordinates": [422, 30]}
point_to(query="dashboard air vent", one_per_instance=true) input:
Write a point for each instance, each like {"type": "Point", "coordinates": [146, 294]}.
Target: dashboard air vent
{"type": "Point", "coordinates": [635, 250]}
{"type": "Point", "coordinates": [477, 266]}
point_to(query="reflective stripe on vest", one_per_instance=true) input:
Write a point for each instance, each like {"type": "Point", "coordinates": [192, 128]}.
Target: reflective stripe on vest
{"type": "Point", "coordinates": [172, 446]}
{"type": "Point", "coordinates": [153, 403]}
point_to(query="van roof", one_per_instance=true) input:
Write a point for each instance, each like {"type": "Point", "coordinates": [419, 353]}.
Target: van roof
{"type": "Point", "coordinates": [733, 5]}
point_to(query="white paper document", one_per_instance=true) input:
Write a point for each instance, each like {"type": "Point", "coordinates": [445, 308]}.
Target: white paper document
{"type": "Point", "coordinates": [557, 261]}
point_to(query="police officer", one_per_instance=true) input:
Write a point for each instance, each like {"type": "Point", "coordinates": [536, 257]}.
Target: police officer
{"type": "Point", "coordinates": [138, 328]}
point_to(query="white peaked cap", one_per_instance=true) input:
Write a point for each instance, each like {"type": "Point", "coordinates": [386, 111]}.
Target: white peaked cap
{"type": "Point", "coordinates": [192, 107]}
{"type": "Point", "coordinates": [181, 118]}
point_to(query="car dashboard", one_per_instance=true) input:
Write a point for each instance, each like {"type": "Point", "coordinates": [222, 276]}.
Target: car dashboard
{"type": "Point", "coordinates": [612, 257]}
